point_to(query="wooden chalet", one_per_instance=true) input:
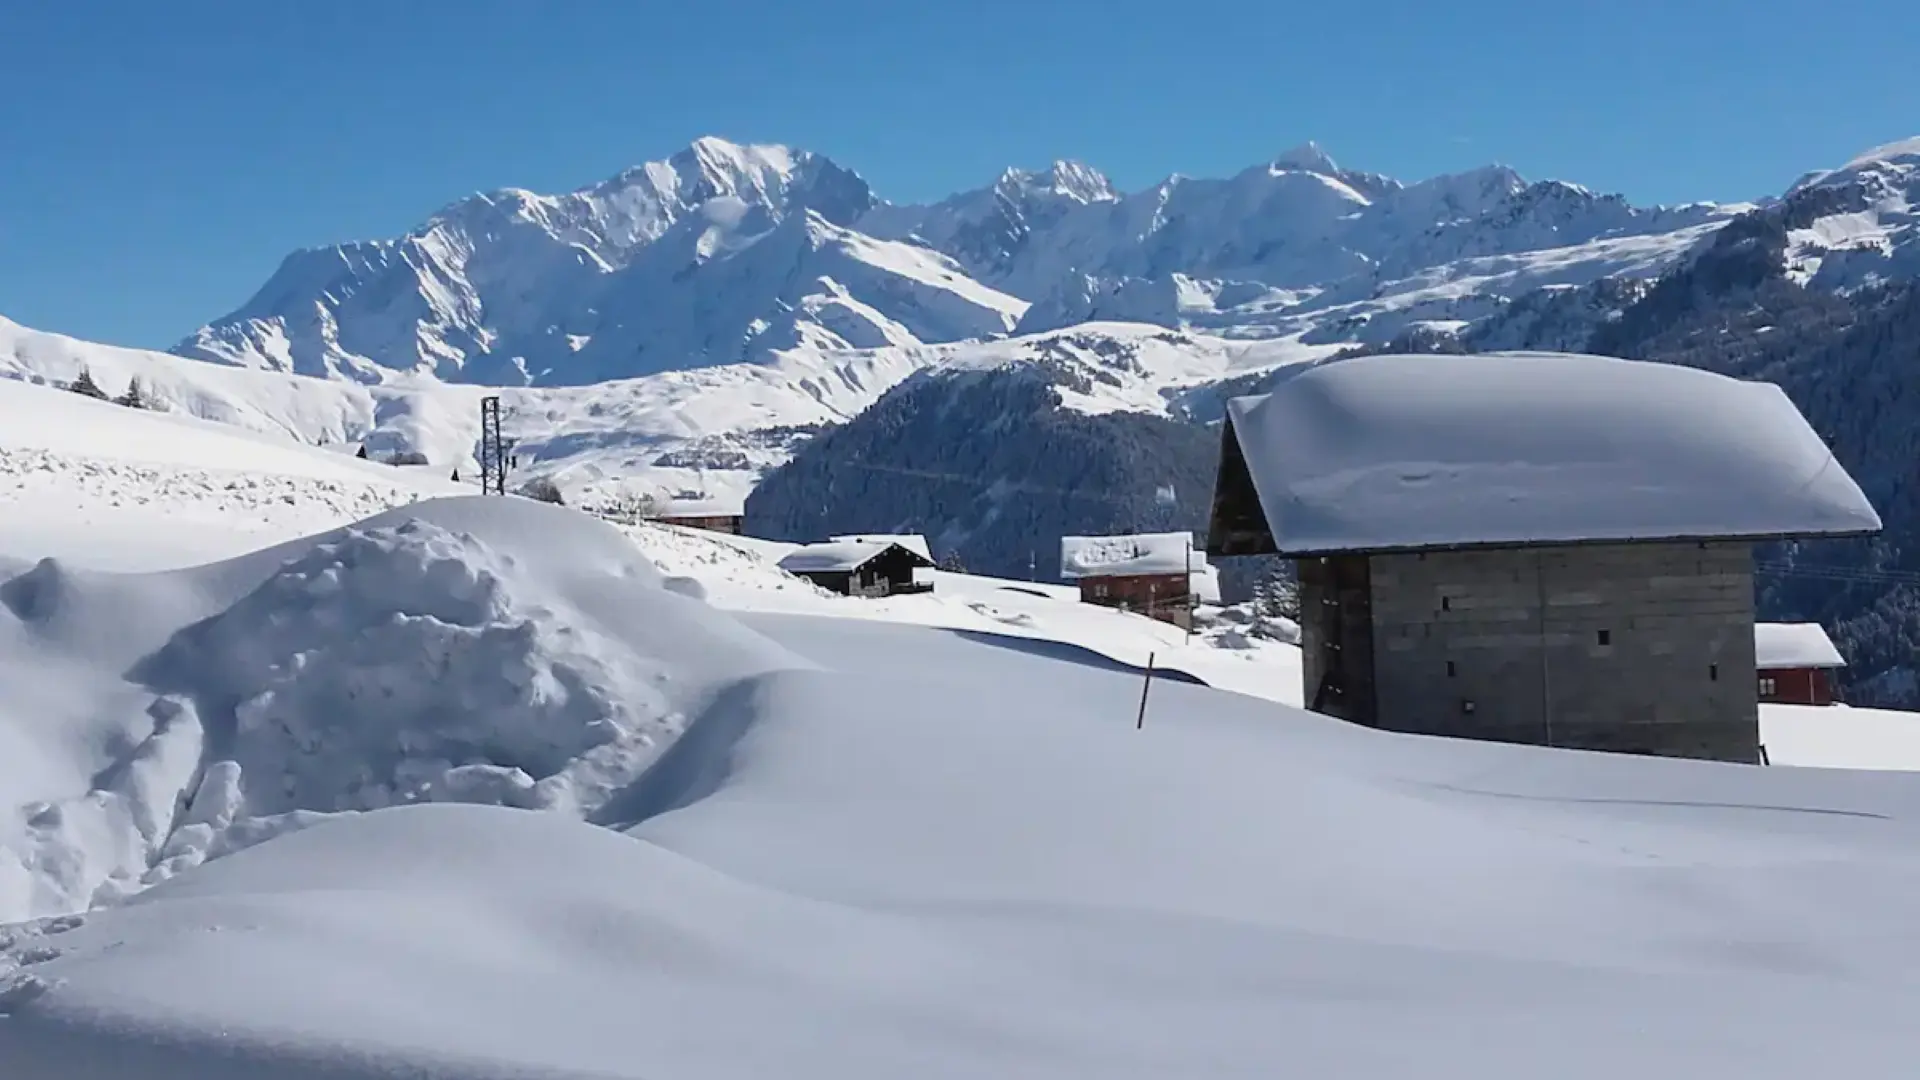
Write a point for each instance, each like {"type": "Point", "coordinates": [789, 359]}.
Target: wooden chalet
{"type": "Point", "coordinates": [1160, 575]}
{"type": "Point", "coordinates": [913, 542]}
{"type": "Point", "coordinates": [1794, 663]}
{"type": "Point", "coordinates": [711, 515]}
{"type": "Point", "coordinates": [861, 568]}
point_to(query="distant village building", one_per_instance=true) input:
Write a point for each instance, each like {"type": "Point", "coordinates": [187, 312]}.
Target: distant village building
{"type": "Point", "coordinates": [710, 514]}
{"type": "Point", "coordinates": [861, 568]}
{"type": "Point", "coordinates": [1542, 549]}
{"type": "Point", "coordinates": [913, 542]}
{"type": "Point", "coordinates": [1160, 575]}
{"type": "Point", "coordinates": [1795, 662]}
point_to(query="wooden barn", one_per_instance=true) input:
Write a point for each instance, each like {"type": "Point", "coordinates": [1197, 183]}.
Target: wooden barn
{"type": "Point", "coordinates": [1160, 575]}
{"type": "Point", "coordinates": [709, 514]}
{"type": "Point", "coordinates": [1536, 548]}
{"type": "Point", "coordinates": [861, 568]}
{"type": "Point", "coordinates": [1795, 663]}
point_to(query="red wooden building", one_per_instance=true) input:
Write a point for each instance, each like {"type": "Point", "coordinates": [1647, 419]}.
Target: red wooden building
{"type": "Point", "coordinates": [1160, 575]}
{"type": "Point", "coordinates": [1795, 663]}
{"type": "Point", "coordinates": [709, 514]}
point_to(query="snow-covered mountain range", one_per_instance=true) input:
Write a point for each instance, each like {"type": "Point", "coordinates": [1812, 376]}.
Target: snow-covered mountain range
{"type": "Point", "coordinates": [681, 328]}
{"type": "Point", "coordinates": [725, 253]}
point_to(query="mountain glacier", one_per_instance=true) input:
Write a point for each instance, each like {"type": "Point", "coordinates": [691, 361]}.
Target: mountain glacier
{"type": "Point", "coordinates": [725, 253]}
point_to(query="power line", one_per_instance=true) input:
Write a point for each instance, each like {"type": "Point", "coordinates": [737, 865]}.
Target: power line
{"type": "Point", "coordinates": [983, 485]}
{"type": "Point", "coordinates": [1857, 575]}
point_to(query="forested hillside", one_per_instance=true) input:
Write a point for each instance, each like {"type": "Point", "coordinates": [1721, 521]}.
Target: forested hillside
{"type": "Point", "coordinates": [991, 468]}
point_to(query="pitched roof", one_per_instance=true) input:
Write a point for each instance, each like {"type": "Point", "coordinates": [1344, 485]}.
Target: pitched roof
{"type": "Point", "coordinates": [1114, 556]}
{"type": "Point", "coordinates": [1794, 645]}
{"type": "Point", "coordinates": [698, 508]}
{"type": "Point", "coordinates": [1381, 453]}
{"type": "Point", "coordinates": [842, 556]}
{"type": "Point", "coordinates": [913, 542]}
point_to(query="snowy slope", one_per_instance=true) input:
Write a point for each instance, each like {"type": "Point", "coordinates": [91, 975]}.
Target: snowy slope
{"type": "Point", "coordinates": [707, 433]}
{"type": "Point", "coordinates": [1008, 879]}
{"type": "Point", "coordinates": [709, 430]}
{"type": "Point", "coordinates": [725, 253]}
{"type": "Point", "coordinates": [113, 487]}
{"type": "Point", "coordinates": [1857, 224]}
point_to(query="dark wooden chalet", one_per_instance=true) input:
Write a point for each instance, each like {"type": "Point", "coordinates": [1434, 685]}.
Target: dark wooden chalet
{"type": "Point", "coordinates": [860, 568]}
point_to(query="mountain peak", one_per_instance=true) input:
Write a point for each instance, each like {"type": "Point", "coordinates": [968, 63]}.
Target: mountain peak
{"type": "Point", "coordinates": [1895, 161]}
{"type": "Point", "coordinates": [1307, 157]}
{"type": "Point", "coordinates": [718, 157]}
{"type": "Point", "coordinates": [1072, 179]}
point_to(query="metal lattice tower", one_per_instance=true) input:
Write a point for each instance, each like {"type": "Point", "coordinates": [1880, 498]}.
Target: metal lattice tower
{"type": "Point", "coordinates": [493, 452]}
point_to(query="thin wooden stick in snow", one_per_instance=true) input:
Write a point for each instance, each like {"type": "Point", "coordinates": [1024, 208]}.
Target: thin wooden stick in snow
{"type": "Point", "coordinates": [1141, 720]}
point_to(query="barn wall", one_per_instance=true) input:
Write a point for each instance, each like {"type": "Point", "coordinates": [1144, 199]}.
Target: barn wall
{"type": "Point", "coordinates": [1796, 686]}
{"type": "Point", "coordinates": [1336, 637]}
{"type": "Point", "coordinates": [1675, 675]}
{"type": "Point", "coordinates": [1162, 596]}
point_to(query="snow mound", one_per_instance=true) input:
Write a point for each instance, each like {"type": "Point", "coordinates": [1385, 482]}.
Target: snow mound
{"type": "Point", "coordinates": [468, 650]}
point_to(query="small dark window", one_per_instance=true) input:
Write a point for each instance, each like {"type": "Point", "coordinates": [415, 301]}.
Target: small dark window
{"type": "Point", "coordinates": [1713, 672]}
{"type": "Point", "coordinates": [1450, 671]}
{"type": "Point", "coordinates": [1446, 604]}
{"type": "Point", "coordinates": [1606, 637]}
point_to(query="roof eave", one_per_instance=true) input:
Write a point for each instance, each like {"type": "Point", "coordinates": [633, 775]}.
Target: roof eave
{"type": "Point", "coordinates": [1489, 545]}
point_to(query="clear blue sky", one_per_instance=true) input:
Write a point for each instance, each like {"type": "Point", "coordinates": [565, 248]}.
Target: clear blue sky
{"type": "Point", "coordinates": [160, 158]}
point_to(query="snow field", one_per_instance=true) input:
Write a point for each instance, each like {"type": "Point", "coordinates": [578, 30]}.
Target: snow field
{"type": "Point", "coordinates": [917, 836]}
{"type": "Point", "coordinates": [936, 856]}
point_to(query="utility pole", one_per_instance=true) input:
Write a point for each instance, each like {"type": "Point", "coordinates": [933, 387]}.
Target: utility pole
{"type": "Point", "coordinates": [493, 453]}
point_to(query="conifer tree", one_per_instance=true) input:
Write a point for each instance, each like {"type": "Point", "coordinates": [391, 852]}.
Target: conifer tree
{"type": "Point", "coordinates": [84, 385]}
{"type": "Point", "coordinates": [135, 397]}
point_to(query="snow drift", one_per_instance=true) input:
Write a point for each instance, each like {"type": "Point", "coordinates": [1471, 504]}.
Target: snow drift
{"type": "Point", "coordinates": [466, 649]}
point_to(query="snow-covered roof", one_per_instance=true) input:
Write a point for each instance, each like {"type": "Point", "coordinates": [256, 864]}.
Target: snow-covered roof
{"type": "Point", "coordinates": [698, 508]}
{"type": "Point", "coordinates": [1115, 556]}
{"type": "Point", "coordinates": [840, 555]}
{"type": "Point", "coordinates": [913, 542]}
{"type": "Point", "coordinates": [1407, 452]}
{"type": "Point", "coordinates": [1793, 645]}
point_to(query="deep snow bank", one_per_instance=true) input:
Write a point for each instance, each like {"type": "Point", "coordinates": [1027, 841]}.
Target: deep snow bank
{"type": "Point", "coordinates": [498, 651]}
